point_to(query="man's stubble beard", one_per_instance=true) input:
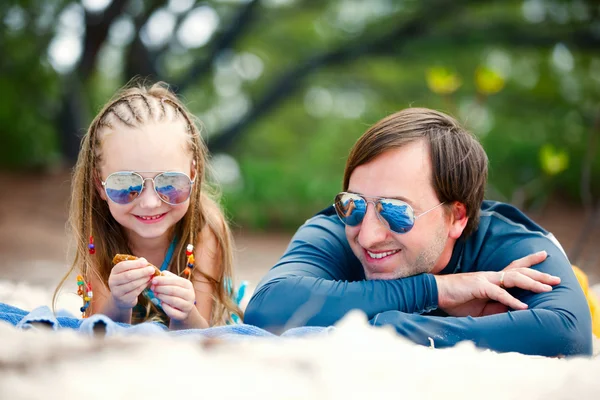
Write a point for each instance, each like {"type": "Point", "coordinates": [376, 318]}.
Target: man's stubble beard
{"type": "Point", "coordinates": [425, 260]}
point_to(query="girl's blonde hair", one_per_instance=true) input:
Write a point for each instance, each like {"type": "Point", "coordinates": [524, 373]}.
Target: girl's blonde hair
{"type": "Point", "coordinates": [134, 106]}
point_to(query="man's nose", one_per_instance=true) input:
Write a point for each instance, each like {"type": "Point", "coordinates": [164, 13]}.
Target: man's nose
{"type": "Point", "coordinates": [372, 230]}
{"type": "Point", "coordinates": [148, 198]}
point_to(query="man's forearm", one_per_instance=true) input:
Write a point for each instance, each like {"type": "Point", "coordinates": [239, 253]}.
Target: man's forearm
{"type": "Point", "coordinates": [537, 332]}
{"type": "Point", "coordinates": [306, 301]}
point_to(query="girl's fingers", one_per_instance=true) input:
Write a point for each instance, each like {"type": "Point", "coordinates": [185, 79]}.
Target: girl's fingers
{"type": "Point", "coordinates": [132, 275]}
{"type": "Point", "coordinates": [172, 280]}
{"type": "Point", "coordinates": [177, 291]}
{"type": "Point", "coordinates": [173, 313]}
{"type": "Point", "coordinates": [131, 286]}
{"type": "Point", "coordinates": [175, 302]}
{"type": "Point", "coordinates": [133, 292]}
{"type": "Point", "coordinates": [129, 265]}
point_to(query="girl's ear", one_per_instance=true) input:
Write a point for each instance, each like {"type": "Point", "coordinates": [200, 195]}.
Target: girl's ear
{"type": "Point", "coordinates": [193, 174]}
{"type": "Point", "coordinates": [99, 187]}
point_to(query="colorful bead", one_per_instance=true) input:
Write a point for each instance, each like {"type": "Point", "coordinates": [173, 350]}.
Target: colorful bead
{"type": "Point", "coordinates": [190, 261]}
{"type": "Point", "coordinates": [189, 250]}
{"type": "Point", "coordinates": [91, 247]}
{"type": "Point", "coordinates": [86, 295]}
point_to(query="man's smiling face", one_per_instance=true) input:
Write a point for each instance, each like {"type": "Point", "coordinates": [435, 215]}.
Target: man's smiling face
{"type": "Point", "coordinates": [403, 173]}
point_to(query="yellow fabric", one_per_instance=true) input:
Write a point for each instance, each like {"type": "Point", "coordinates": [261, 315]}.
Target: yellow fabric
{"type": "Point", "coordinates": [592, 300]}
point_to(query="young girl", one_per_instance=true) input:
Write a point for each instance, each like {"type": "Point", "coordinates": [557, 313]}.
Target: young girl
{"type": "Point", "coordinates": [138, 189]}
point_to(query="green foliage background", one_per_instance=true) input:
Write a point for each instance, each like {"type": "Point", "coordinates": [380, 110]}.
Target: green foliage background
{"type": "Point", "coordinates": [529, 88]}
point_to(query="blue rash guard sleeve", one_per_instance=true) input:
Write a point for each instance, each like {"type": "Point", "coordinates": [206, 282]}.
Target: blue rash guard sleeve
{"type": "Point", "coordinates": [556, 323]}
{"type": "Point", "coordinates": [318, 280]}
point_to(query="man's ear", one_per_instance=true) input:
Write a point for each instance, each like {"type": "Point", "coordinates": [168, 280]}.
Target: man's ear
{"type": "Point", "coordinates": [99, 187]}
{"type": "Point", "coordinates": [458, 219]}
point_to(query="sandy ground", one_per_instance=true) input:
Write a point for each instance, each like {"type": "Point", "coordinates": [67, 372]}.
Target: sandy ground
{"type": "Point", "coordinates": [354, 361]}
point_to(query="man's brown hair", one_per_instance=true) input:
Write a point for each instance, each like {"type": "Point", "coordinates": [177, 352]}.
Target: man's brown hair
{"type": "Point", "coordinates": [459, 163]}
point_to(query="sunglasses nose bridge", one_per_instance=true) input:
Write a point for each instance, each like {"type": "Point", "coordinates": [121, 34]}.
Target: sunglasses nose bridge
{"type": "Point", "coordinates": [377, 207]}
{"type": "Point", "coordinates": [375, 210]}
{"type": "Point", "coordinates": [153, 186]}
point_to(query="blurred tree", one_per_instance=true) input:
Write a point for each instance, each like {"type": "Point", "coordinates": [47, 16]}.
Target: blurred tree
{"type": "Point", "coordinates": [286, 86]}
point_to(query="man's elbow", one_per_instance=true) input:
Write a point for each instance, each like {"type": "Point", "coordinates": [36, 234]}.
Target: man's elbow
{"type": "Point", "coordinates": [575, 339]}
{"type": "Point", "coordinates": [266, 309]}
{"type": "Point", "coordinates": [581, 342]}
{"type": "Point", "coordinates": [253, 314]}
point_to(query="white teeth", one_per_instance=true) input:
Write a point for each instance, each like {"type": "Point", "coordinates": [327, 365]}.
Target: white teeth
{"type": "Point", "coordinates": [381, 255]}
{"type": "Point", "coordinates": [151, 217]}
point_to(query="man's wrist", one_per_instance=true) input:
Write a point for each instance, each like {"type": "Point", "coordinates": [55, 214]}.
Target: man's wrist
{"type": "Point", "coordinates": [432, 302]}
{"type": "Point", "coordinates": [440, 283]}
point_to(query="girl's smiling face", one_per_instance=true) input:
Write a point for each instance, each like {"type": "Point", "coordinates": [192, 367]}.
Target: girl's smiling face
{"type": "Point", "coordinates": [154, 146]}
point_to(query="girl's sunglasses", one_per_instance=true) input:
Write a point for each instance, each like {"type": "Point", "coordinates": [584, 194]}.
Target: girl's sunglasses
{"type": "Point", "coordinates": [123, 187]}
{"type": "Point", "coordinates": [397, 215]}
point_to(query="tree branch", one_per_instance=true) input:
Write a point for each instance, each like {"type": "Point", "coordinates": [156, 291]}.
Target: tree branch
{"type": "Point", "coordinates": [139, 60]}
{"type": "Point", "coordinates": [225, 41]}
{"type": "Point", "coordinates": [391, 43]}
{"type": "Point", "coordinates": [286, 84]}
{"type": "Point", "coordinates": [96, 30]}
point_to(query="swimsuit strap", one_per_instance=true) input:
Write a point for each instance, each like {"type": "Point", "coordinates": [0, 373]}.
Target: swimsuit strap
{"type": "Point", "coordinates": [169, 255]}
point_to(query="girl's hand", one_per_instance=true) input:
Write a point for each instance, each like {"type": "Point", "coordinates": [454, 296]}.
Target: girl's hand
{"type": "Point", "coordinates": [127, 280]}
{"type": "Point", "coordinates": [176, 294]}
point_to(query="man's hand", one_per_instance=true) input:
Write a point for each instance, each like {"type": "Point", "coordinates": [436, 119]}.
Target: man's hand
{"type": "Point", "coordinates": [483, 293]}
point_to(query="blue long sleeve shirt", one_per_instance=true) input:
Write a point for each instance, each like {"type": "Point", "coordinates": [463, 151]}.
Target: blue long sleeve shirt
{"type": "Point", "coordinates": [319, 279]}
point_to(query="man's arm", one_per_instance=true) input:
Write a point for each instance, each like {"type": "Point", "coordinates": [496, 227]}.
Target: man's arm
{"type": "Point", "coordinates": [318, 280]}
{"type": "Point", "coordinates": [556, 322]}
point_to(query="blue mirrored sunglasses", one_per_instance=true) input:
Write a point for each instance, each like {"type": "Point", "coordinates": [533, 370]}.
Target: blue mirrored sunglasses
{"type": "Point", "coordinates": [397, 215]}
{"type": "Point", "coordinates": [123, 187]}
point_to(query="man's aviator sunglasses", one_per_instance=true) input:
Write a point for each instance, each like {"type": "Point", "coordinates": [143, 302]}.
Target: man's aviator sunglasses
{"type": "Point", "coordinates": [123, 187]}
{"type": "Point", "coordinates": [397, 215]}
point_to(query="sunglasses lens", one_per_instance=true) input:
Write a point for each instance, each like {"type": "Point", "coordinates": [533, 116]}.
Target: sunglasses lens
{"type": "Point", "coordinates": [123, 187]}
{"type": "Point", "coordinates": [173, 187]}
{"type": "Point", "coordinates": [351, 208]}
{"type": "Point", "coordinates": [399, 215]}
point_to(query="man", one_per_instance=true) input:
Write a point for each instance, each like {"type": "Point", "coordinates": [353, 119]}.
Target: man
{"type": "Point", "coordinates": [413, 245]}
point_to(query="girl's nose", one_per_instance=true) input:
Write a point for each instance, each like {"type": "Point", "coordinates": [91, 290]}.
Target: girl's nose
{"type": "Point", "coordinates": [148, 198]}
